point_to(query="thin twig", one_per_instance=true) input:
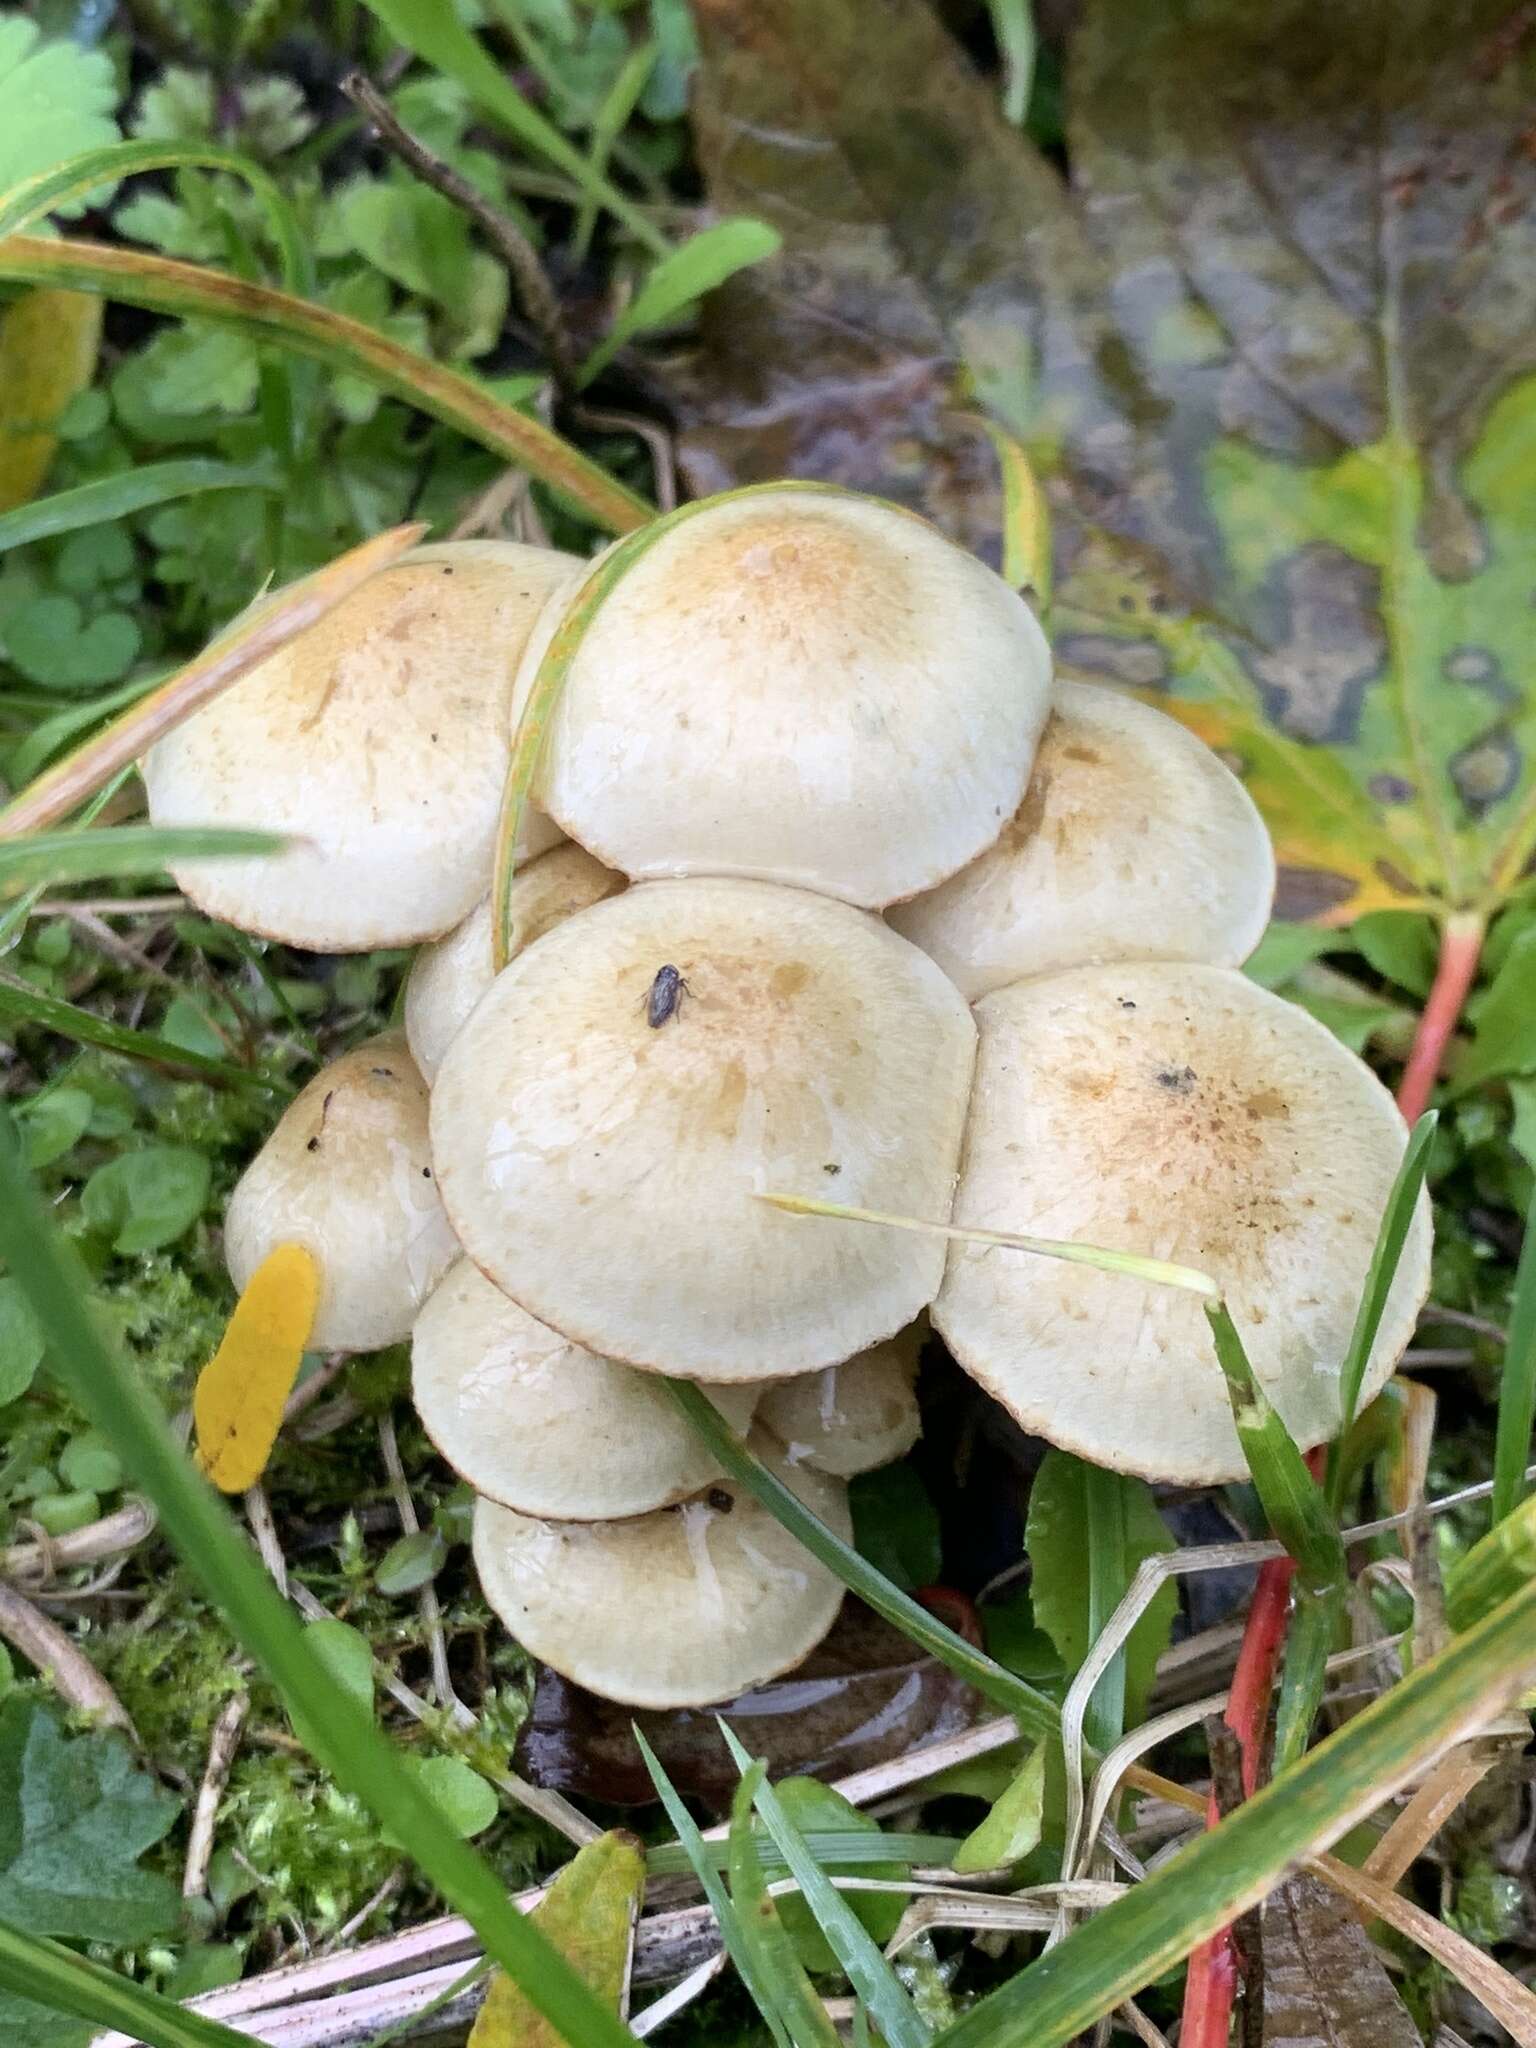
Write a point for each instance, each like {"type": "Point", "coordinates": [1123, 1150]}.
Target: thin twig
{"type": "Point", "coordinates": [365, 1912]}
{"type": "Point", "coordinates": [426, 1599]}
{"type": "Point", "coordinates": [222, 1745]}
{"type": "Point", "coordinates": [110, 906]}
{"type": "Point", "coordinates": [535, 293]}
{"type": "Point", "coordinates": [40, 1561]}
{"type": "Point", "coordinates": [258, 1513]}
{"type": "Point", "coordinates": [656, 437]}
{"type": "Point", "coordinates": [73, 1677]}
{"type": "Point", "coordinates": [310, 1390]}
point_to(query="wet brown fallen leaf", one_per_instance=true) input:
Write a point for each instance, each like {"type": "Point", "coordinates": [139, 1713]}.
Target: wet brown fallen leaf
{"type": "Point", "coordinates": [863, 1696]}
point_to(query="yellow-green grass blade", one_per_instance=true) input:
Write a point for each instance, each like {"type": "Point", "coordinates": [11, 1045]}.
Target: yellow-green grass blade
{"type": "Point", "coordinates": [56, 1977]}
{"type": "Point", "coordinates": [116, 850]}
{"type": "Point", "coordinates": [107, 499]}
{"type": "Point", "coordinates": [185, 291]}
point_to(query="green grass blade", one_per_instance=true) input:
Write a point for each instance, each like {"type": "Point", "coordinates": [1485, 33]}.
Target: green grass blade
{"type": "Point", "coordinates": [65, 1982]}
{"type": "Point", "coordinates": [1013, 24]}
{"type": "Point", "coordinates": [1294, 1502]}
{"type": "Point", "coordinates": [217, 1555]}
{"type": "Point", "coordinates": [33, 199]}
{"type": "Point", "coordinates": [864, 1966]}
{"type": "Point", "coordinates": [107, 499]}
{"type": "Point", "coordinates": [117, 850]}
{"type": "Point", "coordinates": [1517, 1388]}
{"type": "Point", "coordinates": [84, 1027]}
{"type": "Point", "coordinates": [1225, 1871]}
{"type": "Point", "coordinates": [827, 1845]}
{"type": "Point", "coordinates": [1308, 1646]}
{"type": "Point", "coordinates": [185, 291]}
{"type": "Point", "coordinates": [1037, 1715]}
{"type": "Point", "coordinates": [436, 33]}
{"type": "Point", "coordinates": [1390, 1239]}
{"type": "Point", "coordinates": [1494, 1568]}
{"type": "Point", "coordinates": [699, 1858]}
{"type": "Point", "coordinates": [787, 1999]}
{"type": "Point", "coordinates": [1110, 1571]}
{"type": "Point", "coordinates": [697, 266]}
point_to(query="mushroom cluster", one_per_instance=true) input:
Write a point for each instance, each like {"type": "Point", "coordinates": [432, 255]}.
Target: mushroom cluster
{"type": "Point", "coordinates": [808, 794]}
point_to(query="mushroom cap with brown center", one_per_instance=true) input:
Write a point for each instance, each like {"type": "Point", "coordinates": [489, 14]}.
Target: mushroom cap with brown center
{"type": "Point", "coordinates": [603, 1124]}
{"type": "Point", "coordinates": [852, 1417]}
{"type": "Point", "coordinates": [380, 739]}
{"type": "Point", "coordinates": [1134, 842]}
{"type": "Point", "coordinates": [449, 978]}
{"type": "Point", "coordinates": [534, 1422]}
{"type": "Point", "coordinates": [347, 1173]}
{"type": "Point", "coordinates": [803, 687]}
{"type": "Point", "coordinates": [680, 1608]}
{"type": "Point", "coordinates": [1183, 1113]}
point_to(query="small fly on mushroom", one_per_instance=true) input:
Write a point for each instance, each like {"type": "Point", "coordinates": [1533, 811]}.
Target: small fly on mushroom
{"type": "Point", "coordinates": [665, 996]}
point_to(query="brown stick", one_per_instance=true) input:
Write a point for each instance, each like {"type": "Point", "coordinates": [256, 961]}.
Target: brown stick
{"type": "Point", "coordinates": [535, 293]}
{"type": "Point", "coordinates": [223, 1744]}
{"type": "Point", "coordinates": [73, 1677]}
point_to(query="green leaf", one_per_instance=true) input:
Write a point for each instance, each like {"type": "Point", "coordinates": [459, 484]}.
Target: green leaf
{"type": "Point", "coordinates": [682, 278]}
{"type": "Point", "coordinates": [197, 370]}
{"type": "Point", "coordinates": [21, 1341]}
{"type": "Point", "coordinates": [52, 642]}
{"type": "Point", "coordinates": [60, 1982]}
{"type": "Point", "coordinates": [1517, 1386]}
{"type": "Point", "coordinates": [1012, 1828]}
{"type": "Point", "coordinates": [53, 1123]}
{"type": "Point", "coordinates": [866, 1968]}
{"type": "Point", "coordinates": [460, 1794]}
{"type": "Point", "coordinates": [76, 1814]}
{"type": "Point", "coordinates": [776, 1978]}
{"type": "Point", "coordinates": [412, 1562]}
{"type": "Point", "coordinates": [589, 1913]}
{"type": "Point", "coordinates": [1402, 946]}
{"type": "Point", "coordinates": [814, 1807]}
{"type": "Point", "coordinates": [1087, 1533]}
{"type": "Point", "coordinates": [89, 1463]}
{"type": "Point", "coordinates": [56, 99]}
{"type": "Point", "coordinates": [896, 1525]}
{"type": "Point", "coordinates": [1506, 1021]}
{"type": "Point", "coordinates": [145, 1199]}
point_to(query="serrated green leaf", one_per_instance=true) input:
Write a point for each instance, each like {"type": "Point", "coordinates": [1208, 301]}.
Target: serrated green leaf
{"type": "Point", "coordinates": [76, 1814]}
{"type": "Point", "coordinates": [56, 99]}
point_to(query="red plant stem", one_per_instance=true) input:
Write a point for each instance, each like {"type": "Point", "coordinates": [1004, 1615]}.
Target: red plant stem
{"type": "Point", "coordinates": [1460, 945]}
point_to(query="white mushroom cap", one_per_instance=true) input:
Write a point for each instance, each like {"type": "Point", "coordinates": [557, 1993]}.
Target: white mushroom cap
{"type": "Point", "coordinates": [803, 687]}
{"type": "Point", "coordinates": [381, 737]}
{"type": "Point", "coordinates": [348, 1174]}
{"type": "Point", "coordinates": [1134, 842]}
{"type": "Point", "coordinates": [851, 1417]}
{"type": "Point", "coordinates": [538, 1424]}
{"type": "Point", "coordinates": [1180, 1112]}
{"type": "Point", "coordinates": [680, 1608]}
{"type": "Point", "coordinates": [450, 977]}
{"type": "Point", "coordinates": [603, 1171]}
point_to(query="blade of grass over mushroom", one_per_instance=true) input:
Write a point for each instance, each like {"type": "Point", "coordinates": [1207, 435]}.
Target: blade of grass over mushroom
{"type": "Point", "coordinates": [84, 1027]}
{"type": "Point", "coordinates": [538, 710]}
{"type": "Point", "coordinates": [1132, 1264]}
{"type": "Point", "coordinates": [1231, 1867]}
{"type": "Point", "coordinates": [1517, 1388]}
{"type": "Point", "coordinates": [159, 284]}
{"type": "Point", "coordinates": [865, 1967]}
{"type": "Point", "coordinates": [56, 1977]}
{"type": "Point", "coordinates": [107, 499]}
{"type": "Point", "coordinates": [1395, 1222]}
{"type": "Point", "coordinates": [33, 199]}
{"type": "Point", "coordinates": [1038, 1715]}
{"type": "Point", "coordinates": [248, 642]}
{"type": "Point", "coordinates": [698, 1859]}
{"type": "Point", "coordinates": [436, 33]}
{"type": "Point", "coordinates": [116, 850]}
{"type": "Point", "coordinates": [216, 1553]}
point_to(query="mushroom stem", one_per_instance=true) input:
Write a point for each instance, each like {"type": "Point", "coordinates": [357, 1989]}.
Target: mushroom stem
{"type": "Point", "coordinates": [1137, 1267]}
{"type": "Point", "coordinates": [1461, 945]}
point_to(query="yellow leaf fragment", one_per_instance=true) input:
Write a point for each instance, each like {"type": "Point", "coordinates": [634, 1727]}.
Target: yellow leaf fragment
{"type": "Point", "coordinates": [238, 1406]}
{"type": "Point", "coordinates": [1026, 520]}
{"type": "Point", "coordinates": [48, 342]}
{"type": "Point", "coordinates": [589, 1913]}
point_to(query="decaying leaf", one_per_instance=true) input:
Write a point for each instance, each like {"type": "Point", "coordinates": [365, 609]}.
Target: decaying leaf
{"type": "Point", "coordinates": [48, 343]}
{"type": "Point", "coordinates": [589, 1913]}
{"type": "Point", "coordinates": [1324, 1986]}
{"type": "Point", "coordinates": [1272, 353]}
{"type": "Point", "coordinates": [237, 1406]}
